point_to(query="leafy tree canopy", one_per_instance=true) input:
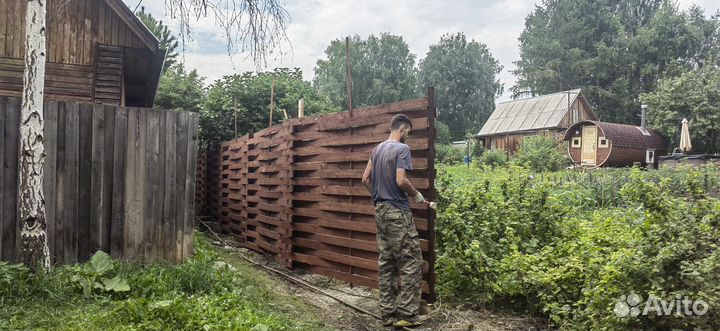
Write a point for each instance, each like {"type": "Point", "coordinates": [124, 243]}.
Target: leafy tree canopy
{"type": "Point", "coordinates": [383, 70]}
{"type": "Point", "coordinates": [464, 74]}
{"type": "Point", "coordinates": [168, 42]}
{"type": "Point", "coordinates": [179, 89]}
{"type": "Point", "coordinates": [252, 96]}
{"type": "Point", "coordinates": [614, 49]}
{"type": "Point", "coordinates": [696, 96]}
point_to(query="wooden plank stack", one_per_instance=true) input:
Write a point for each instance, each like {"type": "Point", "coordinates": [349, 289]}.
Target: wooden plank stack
{"type": "Point", "coordinates": [293, 191]}
{"type": "Point", "coordinates": [116, 179]}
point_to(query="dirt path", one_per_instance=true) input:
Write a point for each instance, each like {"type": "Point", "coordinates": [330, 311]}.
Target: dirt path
{"type": "Point", "coordinates": [339, 317]}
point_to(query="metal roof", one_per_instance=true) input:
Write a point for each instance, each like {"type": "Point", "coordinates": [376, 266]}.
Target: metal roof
{"type": "Point", "coordinates": [541, 112]}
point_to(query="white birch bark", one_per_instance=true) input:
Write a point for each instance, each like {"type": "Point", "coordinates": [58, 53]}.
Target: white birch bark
{"type": "Point", "coordinates": [31, 204]}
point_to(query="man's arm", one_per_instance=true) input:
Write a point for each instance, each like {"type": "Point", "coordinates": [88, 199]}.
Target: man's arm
{"type": "Point", "coordinates": [366, 176]}
{"type": "Point", "coordinates": [404, 183]}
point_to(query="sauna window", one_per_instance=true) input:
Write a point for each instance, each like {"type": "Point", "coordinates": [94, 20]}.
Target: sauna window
{"type": "Point", "coordinates": [603, 142]}
{"type": "Point", "coordinates": [576, 142]}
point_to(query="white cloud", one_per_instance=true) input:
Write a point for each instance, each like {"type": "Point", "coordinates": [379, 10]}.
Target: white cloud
{"type": "Point", "coordinates": [315, 23]}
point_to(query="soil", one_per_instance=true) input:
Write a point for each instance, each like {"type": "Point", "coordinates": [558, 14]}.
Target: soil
{"type": "Point", "coordinates": [440, 316]}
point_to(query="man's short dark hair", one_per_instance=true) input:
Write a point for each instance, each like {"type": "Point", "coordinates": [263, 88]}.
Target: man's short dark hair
{"type": "Point", "coordinates": [399, 120]}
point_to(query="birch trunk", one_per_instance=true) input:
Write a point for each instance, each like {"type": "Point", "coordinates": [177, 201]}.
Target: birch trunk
{"type": "Point", "coordinates": [31, 204]}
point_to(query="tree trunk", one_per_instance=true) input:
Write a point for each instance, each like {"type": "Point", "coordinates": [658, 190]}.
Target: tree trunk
{"type": "Point", "coordinates": [31, 203]}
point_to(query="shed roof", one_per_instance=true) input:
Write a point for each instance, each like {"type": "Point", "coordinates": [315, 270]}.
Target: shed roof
{"type": "Point", "coordinates": [135, 24]}
{"type": "Point", "coordinates": [541, 112]}
{"type": "Point", "coordinates": [624, 135]}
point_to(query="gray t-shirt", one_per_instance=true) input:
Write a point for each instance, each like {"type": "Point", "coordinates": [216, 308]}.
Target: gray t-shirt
{"type": "Point", "coordinates": [386, 159]}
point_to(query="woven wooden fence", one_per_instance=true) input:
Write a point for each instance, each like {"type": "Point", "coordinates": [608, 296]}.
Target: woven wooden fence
{"type": "Point", "coordinates": [294, 190]}
{"type": "Point", "coordinates": [116, 179]}
{"type": "Point", "coordinates": [207, 192]}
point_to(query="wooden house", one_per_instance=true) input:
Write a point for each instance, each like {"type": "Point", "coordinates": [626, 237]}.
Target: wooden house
{"type": "Point", "coordinates": [597, 144]}
{"type": "Point", "coordinates": [97, 51]}
{"type": "Point", "coordinates": [548, 115]}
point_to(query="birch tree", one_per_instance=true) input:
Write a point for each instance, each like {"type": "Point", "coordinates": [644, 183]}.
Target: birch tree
{"type": "Point", "coordinates": [31, 205]}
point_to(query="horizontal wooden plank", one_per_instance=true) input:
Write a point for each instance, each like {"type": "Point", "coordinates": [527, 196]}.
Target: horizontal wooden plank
{"type": "Point", "coordinates": [408, 106]}
{"type": "Point", "coordinates": [370, 246]}
{"type": "Point", "coordinates": [109, 96]}
{"type": "Point", "coordinates": [418, 183]}
{"type": "Point", "coordinates": [107, 89]}
{"type": "Point", "coordinates": [383, 119]}
{"type": "Point", "coordinates": [108, 79]}
{"type": "Point", "coordinates": [111, 48]}
{"type": "Point", "coordinates": [329, 221]}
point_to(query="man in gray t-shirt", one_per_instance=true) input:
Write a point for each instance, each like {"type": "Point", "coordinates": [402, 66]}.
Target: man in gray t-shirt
{"type": "Point", "coordinates": [389, 156]}
{"type": "Point", "coordinates": [399, 257]}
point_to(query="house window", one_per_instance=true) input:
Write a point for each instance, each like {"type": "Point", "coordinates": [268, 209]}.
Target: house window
{"type": "Point", "coordinates": [576, 142]}
{"type": "Point", "coordinates": [603, 142]}
{"type": "Point", "coordinates": [650, 156]}
{"type": "Point", "coordinates": [575, 115]}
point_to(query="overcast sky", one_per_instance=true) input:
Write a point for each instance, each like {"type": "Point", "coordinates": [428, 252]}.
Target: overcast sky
{"type": "Point", "coordinates": [315, 23]}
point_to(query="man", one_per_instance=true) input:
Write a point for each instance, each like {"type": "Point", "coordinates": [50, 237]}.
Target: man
{"type": "Point", "coordinates": [400, 259]}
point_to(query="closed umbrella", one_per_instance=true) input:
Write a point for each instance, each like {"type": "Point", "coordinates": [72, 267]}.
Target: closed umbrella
{"type": "Point", "coordinates": [685, 144]}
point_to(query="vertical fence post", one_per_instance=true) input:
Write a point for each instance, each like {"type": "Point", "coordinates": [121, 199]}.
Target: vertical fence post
{"type": "Point", "coordinates": [431, 114]}
{"type": "Point", "coordinates": [287, 193]}
{"type": "Point", "coordinates": [222, 196]}
{"type": "Point", "coordinates": [244, 186]}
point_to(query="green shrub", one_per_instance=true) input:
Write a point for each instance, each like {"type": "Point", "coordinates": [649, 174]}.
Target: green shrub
{"type": "Point", "coordinates": [541, 153]}
{"type": "Point", "coordinates": [442, 133]}
{"type": "Point", "coordinates": [448, 154]}
{"type": "Point", "coordinates": [494, 158]}
{"type": "Point", "coordinates": [542, 244]}
{"type": "Point", "coordinates": [477, 148]}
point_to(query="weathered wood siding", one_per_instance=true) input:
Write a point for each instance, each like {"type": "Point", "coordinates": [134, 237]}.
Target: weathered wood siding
{"type": "Point", "coordinates": [584, 113]}
{"type": "Point", "coordinates": [511, 142]}
{"type": "Point", "coordinates": [75, 29]}
{"type": "Point", "coordinates": [62, 81]}
{"type": "Point", "coordinates": [120, 180]}
{"type": "Point", "coordinates": [294, 190]}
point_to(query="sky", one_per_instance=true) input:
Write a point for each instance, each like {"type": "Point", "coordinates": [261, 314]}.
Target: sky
{"type": "Point", "coordinates": [314, 23]}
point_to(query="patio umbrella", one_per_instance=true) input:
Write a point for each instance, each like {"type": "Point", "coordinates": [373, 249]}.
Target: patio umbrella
{"type": "Point", "coordinates": [685, 144]}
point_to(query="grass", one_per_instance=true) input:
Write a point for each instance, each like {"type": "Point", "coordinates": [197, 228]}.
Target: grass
{"type": "Point", "coordinates": [203, 293]}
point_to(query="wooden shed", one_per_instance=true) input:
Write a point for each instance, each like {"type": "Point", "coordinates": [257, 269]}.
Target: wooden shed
{"type": "Point", "coordinates": [597, 144]}
{"type": "Point", "coordinates": [97, 51]}
{"type": "Point", "coordinates": [548, 115]}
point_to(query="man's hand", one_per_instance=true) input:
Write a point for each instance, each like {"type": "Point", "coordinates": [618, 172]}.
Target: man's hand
{"type": "Point", "coordinates": [419, 197]}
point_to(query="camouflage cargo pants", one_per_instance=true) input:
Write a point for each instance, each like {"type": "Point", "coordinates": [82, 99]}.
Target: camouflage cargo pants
{"type": "Point", "coordinates": [399, 262]}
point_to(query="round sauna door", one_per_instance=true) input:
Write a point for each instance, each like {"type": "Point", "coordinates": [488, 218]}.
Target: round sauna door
{"type": "Point", "coordinates": [589, 145]}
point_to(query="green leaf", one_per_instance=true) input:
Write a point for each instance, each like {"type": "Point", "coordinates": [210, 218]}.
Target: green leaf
{"type": "Point", "coordinates": [116, 284]}
{"type": "Point", "coordinates": [99, 264]}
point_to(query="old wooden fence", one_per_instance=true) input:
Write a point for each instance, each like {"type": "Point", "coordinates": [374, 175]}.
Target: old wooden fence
{"type": "Point", "coordinates": [294, 190]}
{"type": "Point", "coordinates": [117, 179]}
